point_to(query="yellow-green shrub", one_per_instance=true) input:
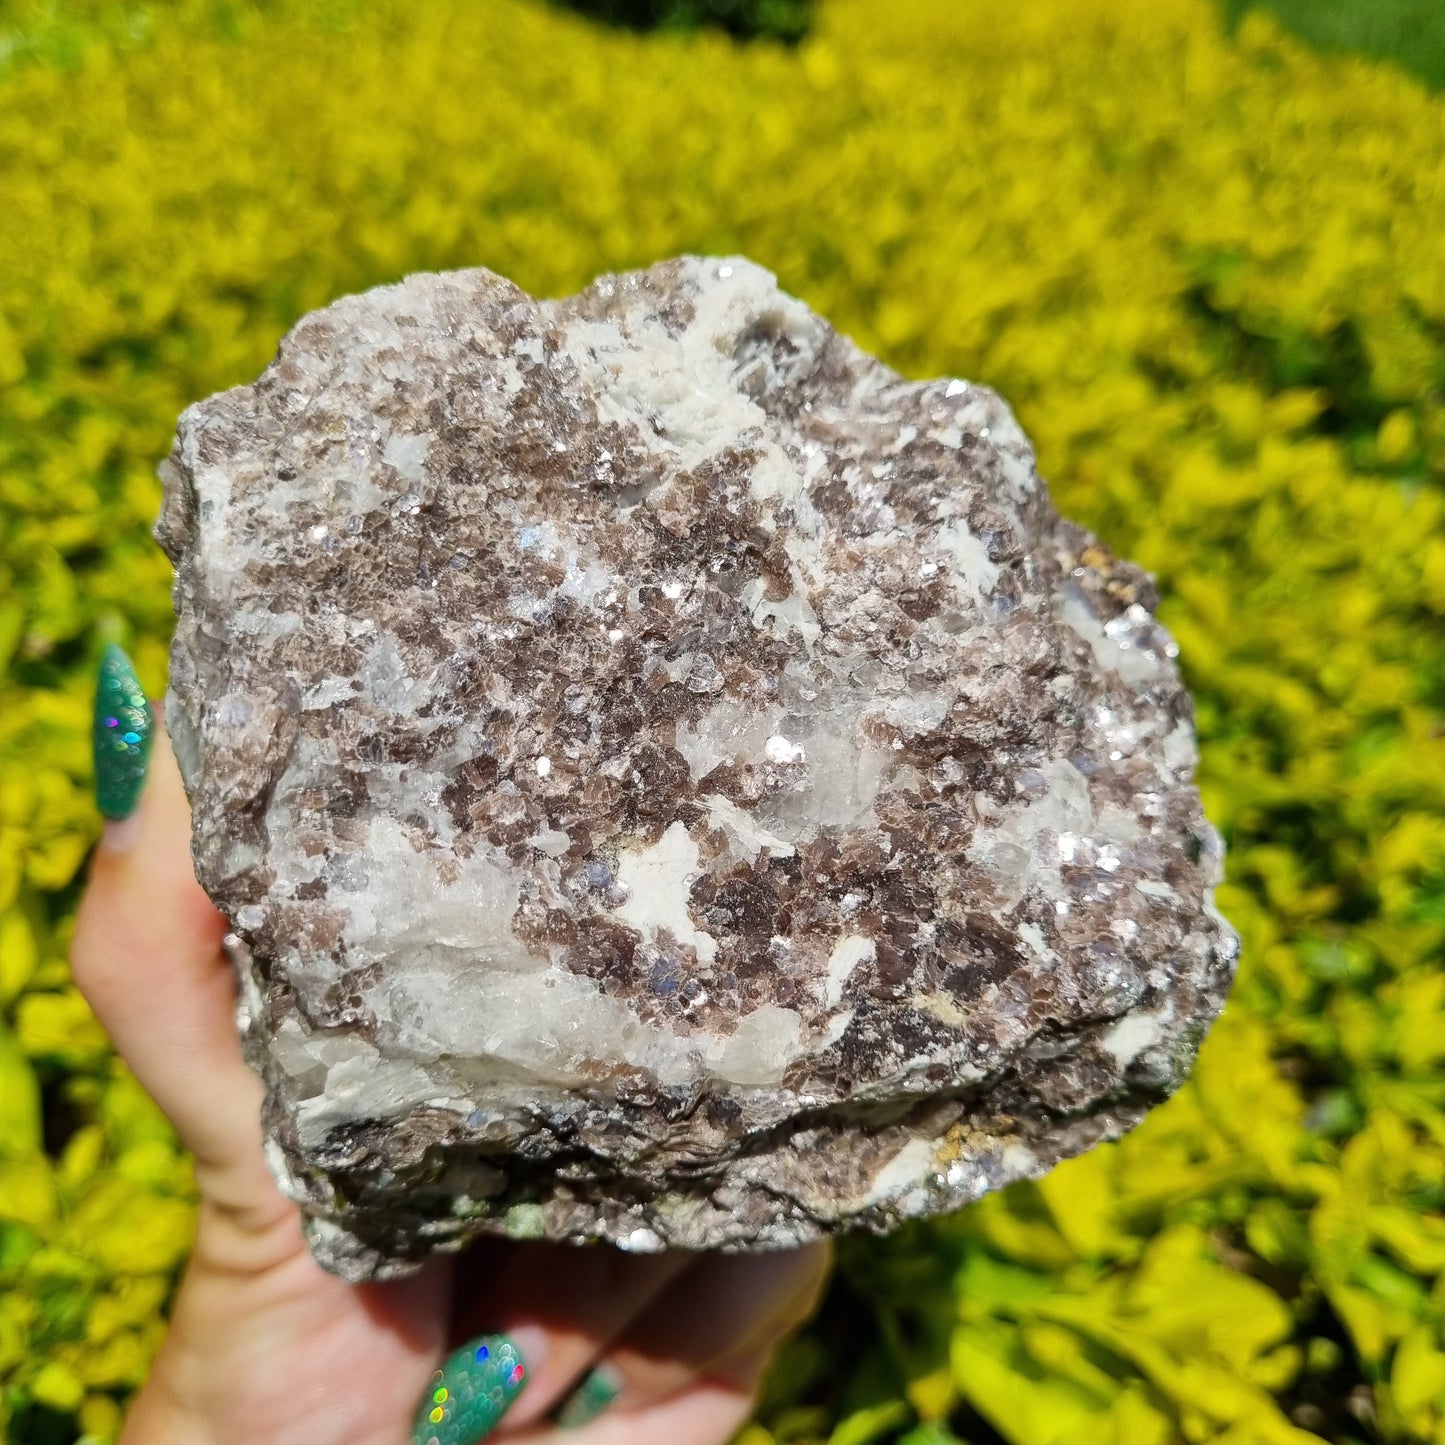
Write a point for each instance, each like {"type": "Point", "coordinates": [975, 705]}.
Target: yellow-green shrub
{"type": "Point", "coordinates": [1209, 275]}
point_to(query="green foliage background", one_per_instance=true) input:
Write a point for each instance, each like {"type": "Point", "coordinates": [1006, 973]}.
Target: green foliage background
{"type": "Point", "coordinates": [1205, 268]}
{"type": "Point", "coordinates": [1409, 32]}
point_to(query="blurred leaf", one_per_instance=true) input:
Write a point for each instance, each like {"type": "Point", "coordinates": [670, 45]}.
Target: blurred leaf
{"type": "Point", "coordinates": [872, 1423]}
{"type": "Point", "coordinates": [1017, 1397]}
{"type": "Point", "coordinates": [20, 1116]}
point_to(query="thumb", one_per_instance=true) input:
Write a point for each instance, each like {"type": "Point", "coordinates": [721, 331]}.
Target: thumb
{"type": "Point", "coordinates": [147, 954]}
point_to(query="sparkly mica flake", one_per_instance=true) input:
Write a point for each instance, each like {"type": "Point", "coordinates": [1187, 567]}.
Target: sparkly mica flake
{"type": "Point", "coordinates": [672, 780]}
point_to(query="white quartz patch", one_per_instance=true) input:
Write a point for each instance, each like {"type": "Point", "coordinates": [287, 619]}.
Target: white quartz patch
{"type": "Point", "coordinates": [748, 837]}
{"type": "Point", "coordinates": [407, 453]}
{"type": "Point", "coordinates": [914, 1162]}
{"type": "Point", "coordinates": [1118, 652]}
{"type": "Point", "coordinates": [850, 950]}
{"type": "Point", "coordinates": [976, 574]}
{"type": "Point", "coordinates": [684, 383]}
{"type": "Point", "coordinates": [764, 1043]}
{"type": "Point", "coordinates": [1009, 848]}
{"type": "Point", "coordinates": [728, 731]}
{"type": "Point", "coordinates": [659, 881]}
{"type": "Point", "coordinates": [1132, 1035]}
{"type": "Point", "coordinates": [541, 1028]}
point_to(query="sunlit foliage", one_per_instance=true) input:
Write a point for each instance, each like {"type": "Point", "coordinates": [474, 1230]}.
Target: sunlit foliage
{"type": "Point", "coordinates": [1208, 273]}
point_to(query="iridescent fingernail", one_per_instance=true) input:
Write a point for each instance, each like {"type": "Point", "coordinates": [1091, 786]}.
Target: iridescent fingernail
{"type": "Point", "coordinates": [473, 1389]}
{"type": "Point", "coordinates": [596, 1392]}
{"type": "Point", "coordinates": [124, 728]}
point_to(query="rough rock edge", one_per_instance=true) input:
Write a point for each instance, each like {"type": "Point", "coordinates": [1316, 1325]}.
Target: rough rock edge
{"type": "Point", "coordinates": [979, 1135]}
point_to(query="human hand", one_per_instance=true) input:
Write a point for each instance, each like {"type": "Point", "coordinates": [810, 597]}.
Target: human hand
{"type": "Point", "coordinates": [267, 1348]}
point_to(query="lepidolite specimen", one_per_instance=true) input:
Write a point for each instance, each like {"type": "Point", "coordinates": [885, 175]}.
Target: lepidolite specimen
{"type": "Point", "coordinates": [672, 780]}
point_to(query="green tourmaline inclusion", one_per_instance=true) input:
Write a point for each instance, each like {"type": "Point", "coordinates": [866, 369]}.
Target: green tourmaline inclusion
{"type": "Point", "coordinates": [124, 730]}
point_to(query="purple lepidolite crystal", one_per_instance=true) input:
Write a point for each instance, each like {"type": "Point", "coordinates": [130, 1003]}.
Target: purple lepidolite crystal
{"type": "Point", "coordinates": [672, 779]}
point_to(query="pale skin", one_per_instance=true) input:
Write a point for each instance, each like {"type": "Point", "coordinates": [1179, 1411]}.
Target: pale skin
{"type": "Point", "coordinates": [264, 1346]}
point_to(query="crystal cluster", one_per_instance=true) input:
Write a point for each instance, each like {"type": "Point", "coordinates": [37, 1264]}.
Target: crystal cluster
{"type": "Point", "coordinates": [671, 779]}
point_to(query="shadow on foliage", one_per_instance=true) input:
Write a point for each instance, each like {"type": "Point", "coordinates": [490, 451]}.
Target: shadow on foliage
{"type": "Point", "coordinates": [785, 20]}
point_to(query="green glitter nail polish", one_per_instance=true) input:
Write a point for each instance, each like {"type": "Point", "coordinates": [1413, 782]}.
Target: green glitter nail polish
{"type": "Point", "coordinates": [123, 730]}
{"type": "Point", "coordinates": [473, 1389]}
{"type": "Point", "coordinates": [596, 1392]}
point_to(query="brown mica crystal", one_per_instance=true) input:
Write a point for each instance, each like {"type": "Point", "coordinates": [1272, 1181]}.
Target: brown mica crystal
{"type": "Point", "coordinates": [671, 779]}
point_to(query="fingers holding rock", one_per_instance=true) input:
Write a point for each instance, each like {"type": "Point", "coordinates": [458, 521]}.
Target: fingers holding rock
{"type": "Point", "coordinates": [563, 1305]}
{"type": "Point", "coordinates": [688, 1367]}
{"type": "Point", "coordinates": [147, 955]}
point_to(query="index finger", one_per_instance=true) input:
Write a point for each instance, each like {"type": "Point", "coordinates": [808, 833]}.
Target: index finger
{"type": "Point", "coordinates": [147, 954]}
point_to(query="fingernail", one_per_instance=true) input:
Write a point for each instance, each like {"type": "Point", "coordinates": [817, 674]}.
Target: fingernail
{"type": "Point", "coordinates": [124, 728]}
{"type": "Point", "coordinates": [474, 1388]}
{"type": "Point", "coordinates": [122, 836]}
{"type": "Point", "coordinates": [599, 1388]}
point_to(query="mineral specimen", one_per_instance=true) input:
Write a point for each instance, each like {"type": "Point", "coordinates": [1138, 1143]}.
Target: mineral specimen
{"type": "Point", "coordinates": [671, 779]}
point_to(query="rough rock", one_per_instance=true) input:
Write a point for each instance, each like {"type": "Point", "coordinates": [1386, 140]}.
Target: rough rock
{"type": "Point", "coordinates": [671, 779]}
